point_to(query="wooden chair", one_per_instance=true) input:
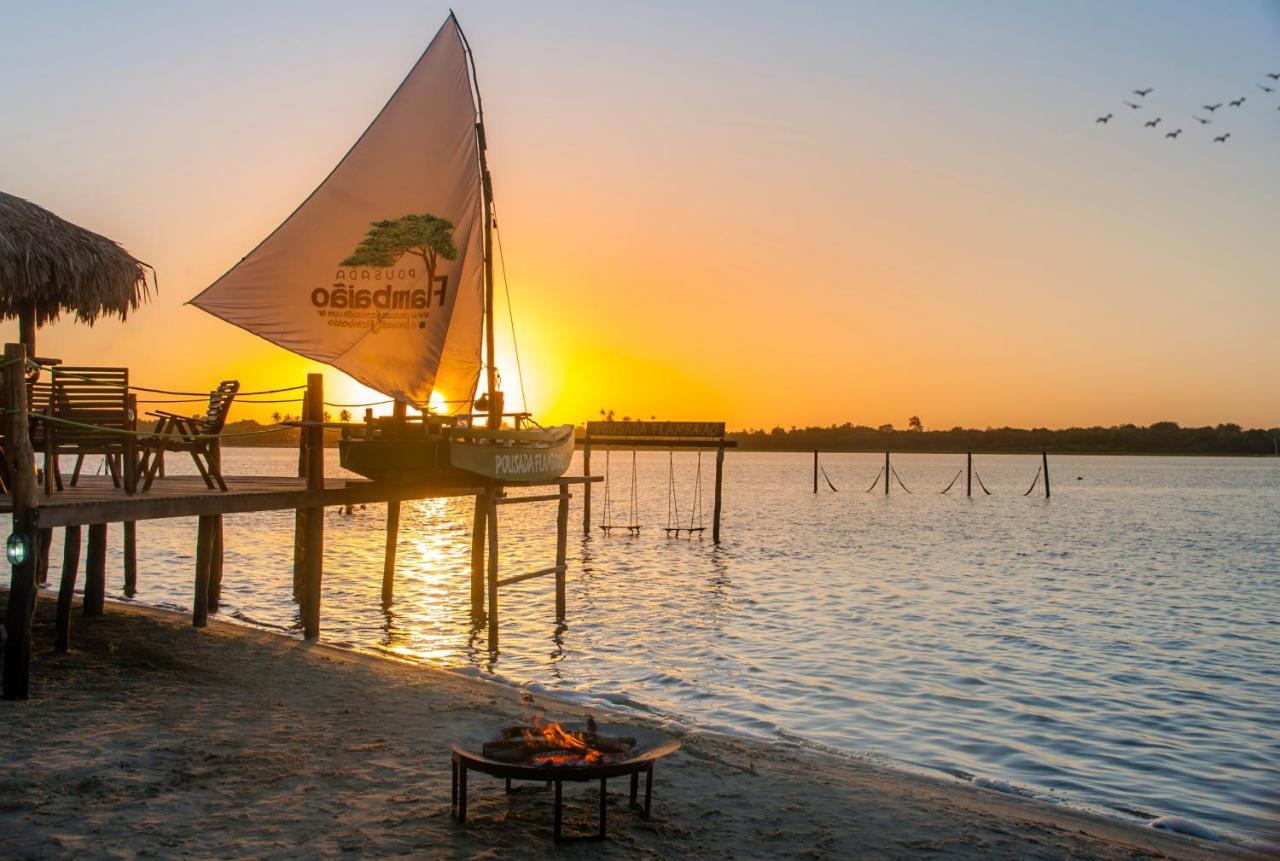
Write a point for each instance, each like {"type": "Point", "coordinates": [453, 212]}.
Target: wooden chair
{"type": "Point", "coordinates": [90, 413]}
{"type": "Point", "coordinates": [196, 435]}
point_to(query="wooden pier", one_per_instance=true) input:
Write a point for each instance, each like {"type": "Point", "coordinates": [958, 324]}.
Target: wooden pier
{"type": "Point", "coordinates": [96, 502]}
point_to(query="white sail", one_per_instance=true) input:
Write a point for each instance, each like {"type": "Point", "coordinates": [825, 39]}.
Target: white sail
{"type": "Point", "coordinates": [347, 279]}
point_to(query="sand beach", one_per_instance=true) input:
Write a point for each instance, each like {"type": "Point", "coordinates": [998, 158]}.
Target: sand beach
{"type": "Point", "coordinates": [155, 739]}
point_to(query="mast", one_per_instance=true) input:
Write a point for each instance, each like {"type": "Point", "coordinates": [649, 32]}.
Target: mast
{"type": "Point", "coordinates": [494, 397]}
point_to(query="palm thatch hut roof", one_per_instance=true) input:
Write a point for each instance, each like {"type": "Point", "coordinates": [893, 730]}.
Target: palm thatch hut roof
{"type": "Point", "coordinates": [49, 266]}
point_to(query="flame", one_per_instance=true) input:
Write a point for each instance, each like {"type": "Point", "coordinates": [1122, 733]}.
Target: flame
{"type": "Point", "coordinates": [581, 752]}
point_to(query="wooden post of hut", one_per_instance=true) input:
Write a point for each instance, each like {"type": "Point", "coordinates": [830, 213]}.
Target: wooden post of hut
{"type": "Point", "coordinates": [23, 588]}
{"type": "Point", "coordinates": [204, 552]}
{"type": "Point", "coordinates": [215, 549]}
{"type": "Point", "coordinates": [313, 531]}
{"type": "Point", "coordinates": [130, 527]}
{"type": "Point", "coordinates": [715, 511]}
{"type": "Point", "coordinates": [1044, 463]}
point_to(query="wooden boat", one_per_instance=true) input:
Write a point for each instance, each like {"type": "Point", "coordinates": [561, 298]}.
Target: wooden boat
{"type": "Point", "coordinates": [386, 272]}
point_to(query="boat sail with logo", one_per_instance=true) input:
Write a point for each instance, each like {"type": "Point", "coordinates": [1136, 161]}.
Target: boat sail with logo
{"type": "Point", "coordinates": [386, 272]}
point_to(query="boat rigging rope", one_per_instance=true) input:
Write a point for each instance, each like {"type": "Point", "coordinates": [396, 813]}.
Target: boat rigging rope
{"type": "Point", "coordinates": [511, 314]}
{"type": "Point", "coordinates": [875, 481]}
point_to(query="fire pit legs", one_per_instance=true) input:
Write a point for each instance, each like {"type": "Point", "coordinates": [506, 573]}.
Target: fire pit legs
{"type": "Point", "coordinates": [558, 828]}
{"type": "Point", "coordinates": [648, 791]}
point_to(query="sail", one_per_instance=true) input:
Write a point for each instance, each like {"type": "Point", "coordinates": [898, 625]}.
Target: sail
{"type": "Point", "coordinates": [379, 272]}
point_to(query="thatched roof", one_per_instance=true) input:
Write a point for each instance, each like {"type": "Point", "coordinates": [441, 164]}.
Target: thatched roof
{"type": "Point", "coordinates": [55, 266]}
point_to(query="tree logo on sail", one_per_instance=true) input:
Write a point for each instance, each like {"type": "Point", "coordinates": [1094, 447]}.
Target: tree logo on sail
{"type": "Point", "coordinates": [400, 302]}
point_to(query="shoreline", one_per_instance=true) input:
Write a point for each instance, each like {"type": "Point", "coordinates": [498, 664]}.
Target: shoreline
{"type": "Point", "coordinates": [324, 749]}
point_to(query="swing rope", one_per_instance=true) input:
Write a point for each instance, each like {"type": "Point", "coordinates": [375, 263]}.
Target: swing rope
{"type": "Point", "coordinates": [697, 498]}
{"type": "Point", "coordinates": [633, 526]}
{"type": "Point", "coordinates": [1034, 481]}
{"type": "Point", "coordinates": [606, 511]}
{"type": "Point", "coordinates": [824, 475]}
{"type": "Point", "coordinates": [980, 484]}
{"type": "Point", "coordinates": [673, 503]}
{"type": "Point", "coordinates": [959, 472]}
{"type": "Point", "coordinates": [875, 481]}
{"type": "Point", "coordinates": [895, 475]}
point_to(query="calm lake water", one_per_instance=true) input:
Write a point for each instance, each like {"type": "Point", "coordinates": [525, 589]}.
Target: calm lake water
{"type": "Point", "coordinates": [1116, 647]}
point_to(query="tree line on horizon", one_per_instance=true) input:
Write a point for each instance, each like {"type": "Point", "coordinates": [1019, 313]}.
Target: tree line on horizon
{"type": "Point", "coordinates": [1159, 438]}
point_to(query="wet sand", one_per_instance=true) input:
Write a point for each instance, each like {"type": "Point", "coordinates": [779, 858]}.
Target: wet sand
{"type": "Point", "coordinates": [154, 739]}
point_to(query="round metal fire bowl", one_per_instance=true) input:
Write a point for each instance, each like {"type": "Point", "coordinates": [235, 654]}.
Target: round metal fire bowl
{"type": "Point", "coordinates": [650, 746]}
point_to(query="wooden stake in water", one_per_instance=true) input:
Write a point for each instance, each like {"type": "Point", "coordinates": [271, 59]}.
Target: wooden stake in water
{"type": "Point", "coordinates": [715, 517]}
{"type": "Point", "coordinates": [815, 470]}
{"type": "Point", "coordinates": [886, 473]}
{"type": "Point", "coordinates": [1044, 463]}
{"type": "Point", "coordinates": [968, 480]}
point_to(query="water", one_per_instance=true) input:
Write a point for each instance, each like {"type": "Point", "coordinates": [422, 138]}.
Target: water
{"type": "Point", "coordinates": [1115, 647]}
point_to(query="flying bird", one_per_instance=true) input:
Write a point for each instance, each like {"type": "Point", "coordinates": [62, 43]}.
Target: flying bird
{"type": "Point", "coordinates": [1132, 105]}
{"type": "Point", "coordinates": [1103, 119]}
{"type": "Point", "coordinates": [1200, 121]}
{"type": "Point", "coordinates": [1174, 134]}
{"type": "Point", "coordinates": [1222, 138]}
{"type": "Point", "coordinates": [1265, 89]}
{"type": "Point", "coordinates": [1142, 93]}
{"type": "Point", "coordinates": [1212, 108]}
{"type": "Point", "coordinates": [1237, 103]}
{"type": "Point", "coordinates": [1153, 123]}
{"type": "Point", "coordinates": [1275, 76]}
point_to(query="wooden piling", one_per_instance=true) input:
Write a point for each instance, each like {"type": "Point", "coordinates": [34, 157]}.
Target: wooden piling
{"type": "Point", "coordinates": [42, 564]}
{"type": "Point", "coordinates": [204, 552]}
{"type": "Point", "coordinates": [215, 552]}
{"type": "Point", "coordinates": [300, 516]}
{"type": "Point", "coordinates": [586, 487]}
{"type": "Point", "coordinates": [215, 565]}
{"type": "Point", "coordinates": [815, 470]}
{"type": "Point", "coordinates": [491, 516]}
{"type": "Point", "coordinates": [886, 473]}
{"type": "Point", "coordinates": [389, 557]}
{"type": "Point", "coordinates": [715, 511]}
{"type": "Point", "coordinates": [562, 549]}
{"type": "Point", "coordinates": [130, 557]}
{"type": "Point", "coordinates": [23, 588]}
{"type": "Point", "coordinates": [477, 557]}
{"type": "Point", "coordinates": [968, 477]}
{"type": "Point", "coordinates": [1044, 463]}
{"type": "Point", "coordinates": [95, 570]}
{"type": "Point", "coordinates": [313, 531]}
{"type": "Point", "coordinates": [67, 588]}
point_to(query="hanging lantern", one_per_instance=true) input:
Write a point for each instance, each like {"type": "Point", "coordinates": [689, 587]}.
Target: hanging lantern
{"type": "Point", "coordinates": [16, 548]}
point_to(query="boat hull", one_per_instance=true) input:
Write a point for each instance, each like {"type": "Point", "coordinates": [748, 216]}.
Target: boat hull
{"type": "Point", "coordinates": [517, 458]}
{"type": "Point", "coordinates": [464, 459]}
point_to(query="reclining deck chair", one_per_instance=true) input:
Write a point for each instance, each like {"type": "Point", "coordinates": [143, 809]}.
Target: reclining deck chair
{"type": "Point", "coordinates": [196, 435]}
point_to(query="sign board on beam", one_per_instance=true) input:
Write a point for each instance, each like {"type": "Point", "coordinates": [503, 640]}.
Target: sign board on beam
{"type": "Point", "coordinates": [712, 430]}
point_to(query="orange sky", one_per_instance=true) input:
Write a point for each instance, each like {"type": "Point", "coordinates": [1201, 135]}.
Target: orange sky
{"type": "Point", "coordinates": [720, 212]}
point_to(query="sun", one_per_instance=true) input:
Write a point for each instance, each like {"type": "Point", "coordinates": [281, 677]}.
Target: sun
{"type": "Point", "coordinates": [437, 403]}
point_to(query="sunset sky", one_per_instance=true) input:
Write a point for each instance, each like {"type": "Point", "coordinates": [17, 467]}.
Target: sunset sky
{"type": "Point", "coordinates": [797, 213]}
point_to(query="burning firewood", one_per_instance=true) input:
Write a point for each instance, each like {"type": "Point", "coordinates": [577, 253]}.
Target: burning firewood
{"type": "Point", "coordinates": [522, 742]}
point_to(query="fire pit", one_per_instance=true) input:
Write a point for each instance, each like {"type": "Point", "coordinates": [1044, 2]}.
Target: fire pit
{"type": "Point", "coordinates": [553, 754]}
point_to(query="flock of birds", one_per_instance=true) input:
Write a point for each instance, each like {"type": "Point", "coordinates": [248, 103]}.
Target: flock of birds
{"type": "Point", "coordinates": [1267, 89]}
